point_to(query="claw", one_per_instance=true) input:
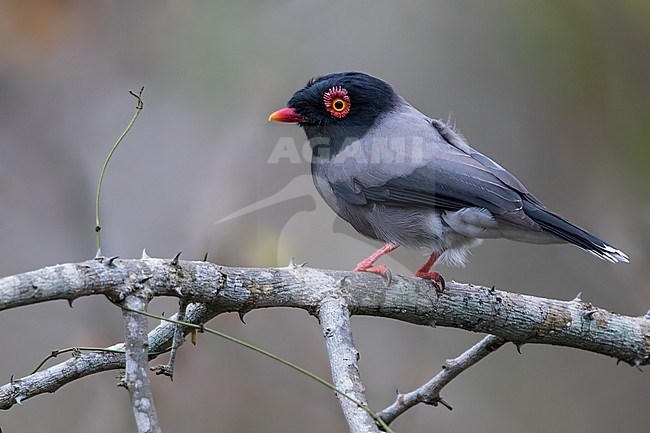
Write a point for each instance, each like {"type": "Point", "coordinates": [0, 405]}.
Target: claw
{"type": "Point", "coordinates": [425, 272]}
{"type": "Point", "coordinates": [388, 275]}
{"type": "Point", "coordinates": [367, 264]}
{"type": "Point", "coordinates": [435, 277]}
{"type": "Point", "coordinates": [442, 285]}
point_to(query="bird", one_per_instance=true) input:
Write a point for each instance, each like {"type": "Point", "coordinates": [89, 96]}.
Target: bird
{"type": "Point", "coordinates": [408, 180]}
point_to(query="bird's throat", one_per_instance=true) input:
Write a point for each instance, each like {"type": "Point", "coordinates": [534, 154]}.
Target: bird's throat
{"type": "Point", "coordinates": [327, 141]}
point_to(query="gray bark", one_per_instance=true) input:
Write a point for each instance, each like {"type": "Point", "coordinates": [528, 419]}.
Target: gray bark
{"type": "Point", "coordinates": [333, 296]}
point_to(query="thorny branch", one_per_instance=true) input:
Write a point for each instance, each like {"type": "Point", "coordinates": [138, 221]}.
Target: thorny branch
{"type": "Point", "coordinates": [429, 393]}
{"type": "Point", "coordinates": [85, 364]}
{"type": "Point", "coordinates": [212, 289]}
{"type": "Point", "coordinates": [137, 381]}
{"type": "Point", "coordinates": [334, 318]}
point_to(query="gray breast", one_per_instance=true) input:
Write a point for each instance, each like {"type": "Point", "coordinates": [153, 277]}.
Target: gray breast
{"type": "Point", "coordinates": [357, 216]}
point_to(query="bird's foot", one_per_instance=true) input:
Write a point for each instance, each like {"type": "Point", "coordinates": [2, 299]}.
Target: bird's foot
{"type": "Point", "coordinates": [380, 270]}
{"type": "Point", "coordinates": [435, 277]}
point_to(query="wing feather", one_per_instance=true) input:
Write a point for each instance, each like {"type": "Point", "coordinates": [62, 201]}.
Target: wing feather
{"type": "Point", "coordinates": [433, 169]}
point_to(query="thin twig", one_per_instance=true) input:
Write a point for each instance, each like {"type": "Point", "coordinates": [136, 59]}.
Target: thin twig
{"type": "Point", "coordinates": [139, 106]}
{"type": "Point", "coordinates": [179, 339]}
{"type": "Point", "coordinates": [76, 351]}
{"type": "Point", "coordinates": [429, 393]}
{"type": "Point", "coordinates": [273, 356]}
{"type": "Point", "coordinates": [112, 358]}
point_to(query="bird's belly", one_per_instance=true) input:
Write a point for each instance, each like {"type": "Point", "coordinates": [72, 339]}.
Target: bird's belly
{"type": "Point", "coordinates": [408, 227]}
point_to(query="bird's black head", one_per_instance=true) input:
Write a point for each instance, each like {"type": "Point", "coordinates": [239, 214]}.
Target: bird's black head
{"type": "Point", "coordinates": [338, 107]}
{"type": "Point", "coordinates": [345, 98]}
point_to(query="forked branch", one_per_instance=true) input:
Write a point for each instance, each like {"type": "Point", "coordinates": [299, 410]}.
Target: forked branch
{"type": "Point", "coordinates": [211, 289]}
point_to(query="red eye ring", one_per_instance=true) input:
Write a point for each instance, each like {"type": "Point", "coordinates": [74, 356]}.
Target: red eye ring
{"type": "Point", "coordinates": [337, 102]}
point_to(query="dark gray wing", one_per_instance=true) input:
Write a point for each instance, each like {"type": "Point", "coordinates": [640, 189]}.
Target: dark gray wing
{"type": "Point", "coordinates": [445, 173]}
{"type": "Point", "coordinates": [443, 184]}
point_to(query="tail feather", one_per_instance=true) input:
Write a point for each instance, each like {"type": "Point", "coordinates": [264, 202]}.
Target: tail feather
{"type": "Point", "coordinates": [563, 229]}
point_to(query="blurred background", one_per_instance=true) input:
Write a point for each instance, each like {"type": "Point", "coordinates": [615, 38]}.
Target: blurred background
{"type": "Point", "coordinates": [557, 92]}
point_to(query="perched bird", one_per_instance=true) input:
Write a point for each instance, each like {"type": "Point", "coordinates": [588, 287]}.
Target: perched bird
{"type": "Point", "coordinates": [405, 179]}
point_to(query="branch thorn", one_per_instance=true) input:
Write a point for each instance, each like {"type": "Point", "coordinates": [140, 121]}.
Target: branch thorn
{"type": "Point", "coordinates": [444, 403]}
{"type": "Point", "coordinates": [588, 315]}
{"type": "Point", "coordinates": [174, 261]}
{"type": "Point", "coordinates": [578, 298]}
{"type": "Point", "coordinates": [110, 260]}
{"type": "Point", "coordinates": [145, 256]}
{"type": "Point", "coordinates": [144, 278]}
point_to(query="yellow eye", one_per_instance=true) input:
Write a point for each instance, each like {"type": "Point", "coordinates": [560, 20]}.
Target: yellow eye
{"type": "Point", "coordinates": [339, 105]}
{"type": "Point", "coordinates": [337, 102]}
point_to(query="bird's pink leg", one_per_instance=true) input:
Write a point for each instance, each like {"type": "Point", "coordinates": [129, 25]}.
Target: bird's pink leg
{"type": "Point", "coordinates": [425, 272]}
{"type": "Point", "coordinates": [367, 265]}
